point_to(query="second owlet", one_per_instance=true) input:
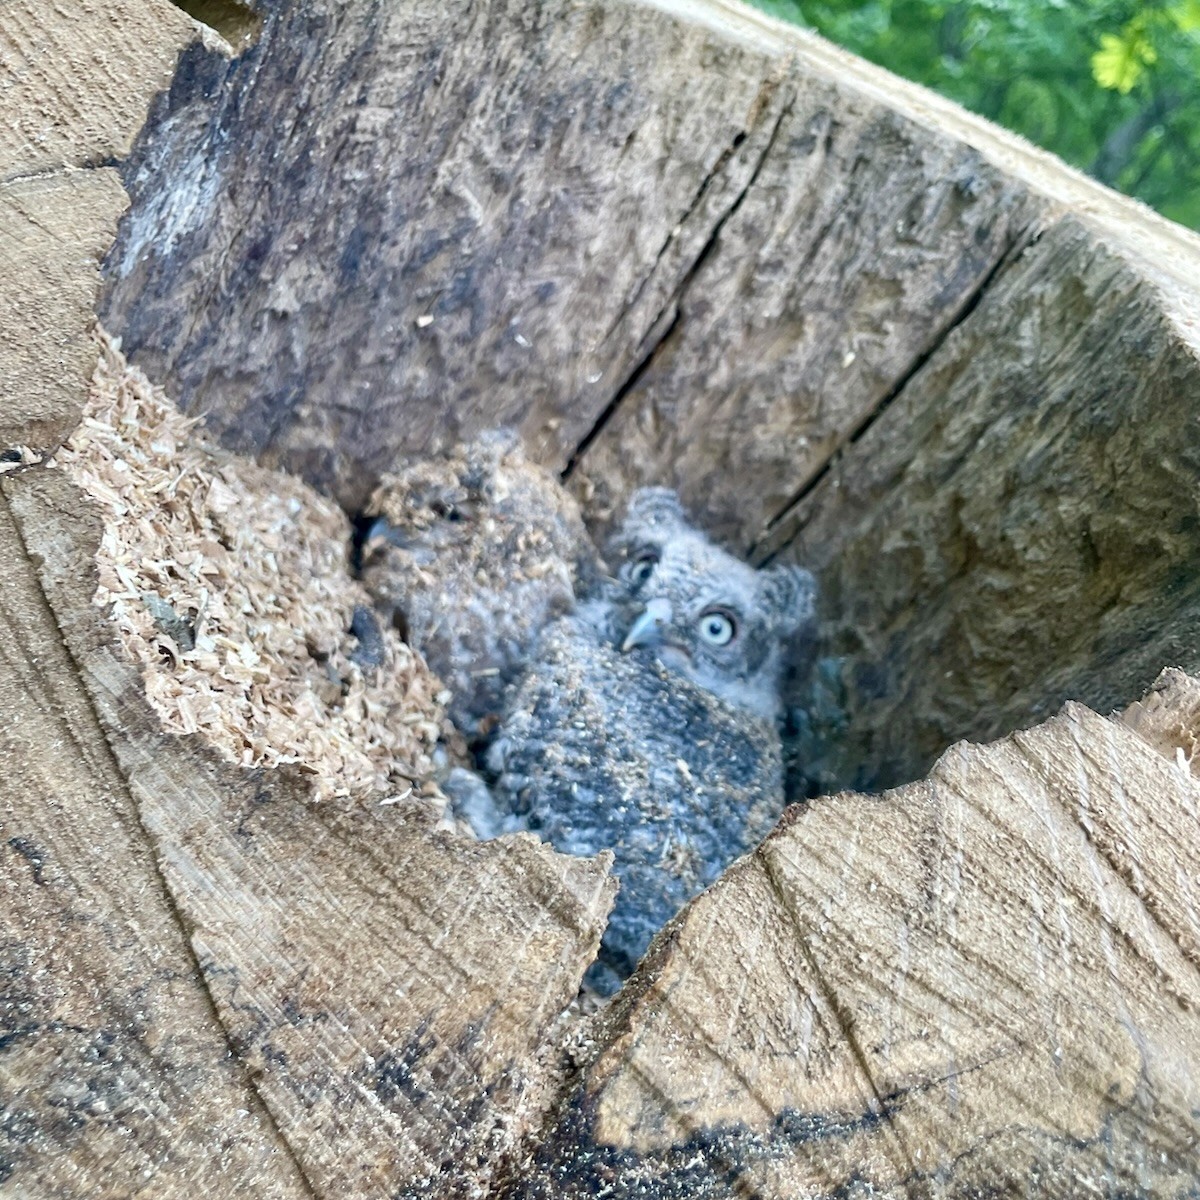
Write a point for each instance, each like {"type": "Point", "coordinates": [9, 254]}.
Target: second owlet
{"type": "Point", "coordinates": [472, 554]}
{"type": "Point", "coordinates": [647, 722]}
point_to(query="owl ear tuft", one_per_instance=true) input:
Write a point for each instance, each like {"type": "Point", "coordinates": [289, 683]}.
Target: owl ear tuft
{"type": "Point", "coordinates": [790, 594]}
{"type": "Point", "coordinates": [654, 506]}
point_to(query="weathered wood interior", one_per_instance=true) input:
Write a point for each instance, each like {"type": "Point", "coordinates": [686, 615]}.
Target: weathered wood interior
{"type": "Point", "coordinates": [675, 243]}
{"type": "Point", "coordinates": [852, 326]}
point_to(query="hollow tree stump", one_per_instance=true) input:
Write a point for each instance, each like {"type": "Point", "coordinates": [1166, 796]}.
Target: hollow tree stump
{"type": "Point", "coordinates": [672, 243]}
{"type": "Point", "coordinates": [682, 244]}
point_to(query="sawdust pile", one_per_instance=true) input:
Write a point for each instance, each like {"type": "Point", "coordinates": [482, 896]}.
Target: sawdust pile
{"type": "Point", "coordinates": [230, 586]}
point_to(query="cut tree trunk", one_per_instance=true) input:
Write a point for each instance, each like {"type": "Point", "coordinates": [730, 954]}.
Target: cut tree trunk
{"type": "Point", "coordinates": [381, 1057]}
{"type": "Point", "coordinates": [673, 243]}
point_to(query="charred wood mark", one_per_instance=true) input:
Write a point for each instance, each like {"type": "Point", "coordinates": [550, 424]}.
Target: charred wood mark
{"type": "Point", "coordinates": [712, 1163]}
{"type": "Point", "coordinates": [33, 854]}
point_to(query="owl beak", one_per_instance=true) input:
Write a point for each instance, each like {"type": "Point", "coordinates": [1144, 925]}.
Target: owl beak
{"type": "Point", "coordinates": [647, 629]}
{"type": "Point", "coordinates": [381, 533]}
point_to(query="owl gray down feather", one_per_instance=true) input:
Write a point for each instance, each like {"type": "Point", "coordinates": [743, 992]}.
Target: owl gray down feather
{"type": "Point", "coordinates": [471, 555]}
{"type": "Point", "coordinates": [647, 722]}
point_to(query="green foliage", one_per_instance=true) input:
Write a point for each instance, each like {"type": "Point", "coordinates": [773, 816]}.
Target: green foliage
{"type": "Point", "coordinates": [1111, 86]}
{"type": "Point", "coordinates": [1123, 57]}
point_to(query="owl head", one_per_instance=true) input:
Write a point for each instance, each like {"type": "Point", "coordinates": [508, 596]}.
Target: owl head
{"type": "Point", "coordinates": [698, 609]}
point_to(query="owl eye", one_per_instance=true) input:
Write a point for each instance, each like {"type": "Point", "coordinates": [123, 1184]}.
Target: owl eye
{"type": "Point", "coordinates": [718, 628]}
{"type": "Point", "coordinates": [643, 567]}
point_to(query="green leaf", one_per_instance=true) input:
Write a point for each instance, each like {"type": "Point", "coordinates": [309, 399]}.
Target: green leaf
{"type": "Point", "coordinates": [1121, 59]}
{"type": "Point", "coordinates": [1041, 68]}
{"type": "Point", "coordinates": [1185, 15]}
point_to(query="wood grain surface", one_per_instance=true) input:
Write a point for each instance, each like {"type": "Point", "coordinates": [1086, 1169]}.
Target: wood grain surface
{"type": "Point", "coordinates": [1018, 527]}
{"type": "Point", "coordinates": [116, 1078]}
{"type": "Point", "coordinates": [858, 328]}
{"type": "Point", "coordinates": [80, 77]}
{"type": "Point", "coordinates": [388, 986]}
{"type": "Point", "coordinates": [984, 983]}
{"type": "Point", "coordinates": [78, 80]}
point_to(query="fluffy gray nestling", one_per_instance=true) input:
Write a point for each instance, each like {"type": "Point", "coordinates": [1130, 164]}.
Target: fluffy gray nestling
{"type": "Point", "coordinates": [648, 721]}
{"type": "Point", "coordinates": [473, 554]}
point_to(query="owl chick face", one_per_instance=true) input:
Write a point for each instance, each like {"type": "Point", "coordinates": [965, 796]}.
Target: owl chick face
{"type": "Point", "coordinates": [699, 610]}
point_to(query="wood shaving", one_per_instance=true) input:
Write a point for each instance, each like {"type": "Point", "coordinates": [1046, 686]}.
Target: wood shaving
{"type": "Point", "coordinates": [229, 584]}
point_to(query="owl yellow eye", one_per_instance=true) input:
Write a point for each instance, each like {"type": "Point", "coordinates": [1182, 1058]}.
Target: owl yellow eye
{"type": "Point", "coordinates": [717, 628]}
{"type": "Point", "coordinates": [643, 567]}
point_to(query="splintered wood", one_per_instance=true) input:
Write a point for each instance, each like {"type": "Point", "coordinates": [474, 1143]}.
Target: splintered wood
{"type": "Point", "coordinates": [230, 586]}
{"type": "Point", "coordinates": [981, 984]}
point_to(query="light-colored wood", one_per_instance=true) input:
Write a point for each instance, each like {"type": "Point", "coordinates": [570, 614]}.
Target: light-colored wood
{"type": "Point", "coordinates": [54, 229]}
{"type": "Point", "coordinates": [78, 78]}
{"type": "Point", "coordinates": [985, 983]}
{"type": "Point", "coordinates": [390, 987]}
{"type": "Point", "coordinates": [115, 1075]}
{"type": "Point", "coordinates": [77, 81]}
{"type": "Point", "coordinates": [1168, 718]}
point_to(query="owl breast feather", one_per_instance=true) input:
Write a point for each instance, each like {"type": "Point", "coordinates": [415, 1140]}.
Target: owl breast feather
{"type": "Point", "coordinates": [605, 750]}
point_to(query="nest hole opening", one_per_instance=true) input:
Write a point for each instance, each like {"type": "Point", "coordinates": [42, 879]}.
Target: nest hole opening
{"type": "Point", "coordinates": [238, 24]}
{"type": "Point", "coordinates": [849, 344]}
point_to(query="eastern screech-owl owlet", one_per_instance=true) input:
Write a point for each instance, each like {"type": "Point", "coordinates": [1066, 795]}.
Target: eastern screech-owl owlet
{"type": "Point", "coordinates": [647, 721]}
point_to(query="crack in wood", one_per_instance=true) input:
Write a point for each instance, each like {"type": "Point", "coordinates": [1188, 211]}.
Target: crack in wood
{"type": "Point", "coordinates": [759, 552]}
{"type": "Point", "coordinates": [844, 1018]}
{"type": "Point", "coordinates": [631, 380]}
{"type": "Point", "coordinates": [697, 199]}
{"type": "Point", "coordinates": [166, 895]}
{"type": "Point", "coordinates": [95, 163]}
{"type": "Point", "coordinates": [1144, 897]}
{"type": "Point", "coordinates": [663, 330]}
